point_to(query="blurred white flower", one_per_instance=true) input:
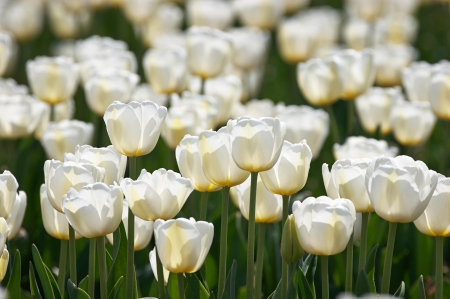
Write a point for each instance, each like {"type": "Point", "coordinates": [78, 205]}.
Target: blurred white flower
{"type": "Point", "coordinates": [390, 60]}
{"type": "Point", "coordinates": [139, 11]}
{"type": "Point", "coordinates": [95, 45]}
{"type": "Point", "coordinates": [23, 18]}
{"type": "Point", "coordinates": [11, 87]}
{"type": "Point", "coordinates": [15, 219]}
{"type": "Point", "coordinates": [6, 51]}
{"type": "Point", "coordinates": [264, 14]}
{"type": "Point", "coordinates": [249, 46]}
{"type": "Point", "coordinates": [144, 92]}
{"type": "Point", "coordinates": [227, 90]}
{"type": "Point", "coordinates": [254, 108]}
{"type": "Point", "coordinates": [396, 29]}
{"type": "Point", "coordinates": [211, 13]}
{"type": "Point", "coordinates": [361, 147]}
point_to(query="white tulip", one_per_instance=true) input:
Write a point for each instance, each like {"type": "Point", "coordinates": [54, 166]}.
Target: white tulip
{"type": "Point", "coordinates": [416, 80]}
{"type": "Point", "coordinates": [4, 260]}
{"type": "Point", "coordinates": [214, 14]}
{"type": "Point", "coordinates": [144, 92]}
{"type": "Point", "coordinates": [6, 44]}
{"type": "Point", "coordinates": [390, 60]}
{"type": "Point", "coordinates": [24, 19]}
{"type": "Point", "coordinates": [8, 193]}
{"type": "Point", "coordinates": [358, 147]}
{"type": "Point", "coordinates": [250, 46]}
{"type": "Point", "coordinates": [264, 14]}
{"type": "Point", "coordinates": [254, 108]}
{"type": "Point", "coordinates": [439, 94]}
{"type": "Point", "coordinates": [95, 45]}
{"type": "Point", "coordinates": [152, 258]}
{"type": "Point", "coordinates": [15, 219]}
{"type": "Point", "coordinates": [228, 91]}
{"type": "Point", "coordinates": [4, 232]}
{"type": "Point", "coordinates": [10, 87]}
{"type": "Point", "coordinates": [139, 11]}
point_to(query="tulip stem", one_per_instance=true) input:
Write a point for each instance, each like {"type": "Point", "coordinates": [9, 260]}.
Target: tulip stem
{"type": "Point", "coordinates": [349, 266]}
{"type": "Point", "coordinates": [91, 282]}
{"type": "Point", "coordinates": [439, 267]}
{"type": "Point", "coordinates": [130, 243]}
{"type": "Point", "coordinates": [324, 268]}
{"type": "Point", "coordinates": [260, 259]}
{"type": "Point", "coordinates": [388, 258]}
{"type": "Point", "coordinates": [284, 265]}
{"type": "Point", "coordinates": [350, 116]}
{"type": "Point", "coordinates": [72, 255]}
{"type": "Point", "coordinates": [62, 266]}
{"type": "Point", "coordinates": [223, 241]}
{"type": "Point", "coordinates": [251, 236]}
{"type": "Point", "coordinates": [160, 273]}
{"type": "Point", "coordinates": [52, 113]}
{"type": "Point", "coordinates": [203, 206]}
{"type": "Point", "coordinates": [180, 285]}
{"type": "Point", "coordinates": [102, 267]}
{"type": "Point", "coordinates": [363, 241]}
{"type": "Point", "coordinates": [202, 86]}
{"type": "Point", "coordinates": [333, 124]}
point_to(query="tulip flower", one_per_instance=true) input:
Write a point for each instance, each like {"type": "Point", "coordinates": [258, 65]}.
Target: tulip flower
{"type": "Point", "coordinates": [255, 109]}
{"type": "Point", "coordinates": [15, 219]}
{"type": "Point", "coordinates": [359, 147]}
{"type": "Point", "coordinates": [291, 251]}
{"type": "Point", "coordinates": [143, 230]}
{"type": "Point", "coordinates": [214, 14]}
{"type": "Point", "coordinates": [95, 45]}
{"type": "Point", "coordinates": [207, 51]}
{"type": "Point", "coordinates": [292, 6]}
{"type": "Point", "coordinates": [10, 87]}
{"type": "Point", "coordinates": [439, 88]}
{"type": "Point", "coordinates": [139, 11]}
{"type": "Point", "coordinates": [144, 92]}
{"type": "Point", "coordinates": [152, 258]}
{"type": "Point", "coordinates": [259, 13]}
{"type": "Point", "coordinates": [24, 19]}
{"type": "Point", "coordinates": [183, 244]}
{"type": "Point", "coordinates": [134, 128]}
{"type": "Point", "coordinates": [357, 34]}
{"type": "Point", "coordinates": [366, 9]}
{"type": "Point", "coordinates": [108, 86]}
{"type": "Point", "coordinates": [228, 91]}
{"type": "Point", "coordinates": [8, 193]}
{"type": "Point", "coordinates": [60, 177]}
{"type": "Point", "coordinates": [62, 137]}
{"type": "Point", "coordinates": [157, 195]}
{"type": "Point", "coordinates": [412, 123]}
{"type": "Point", "coordinates": [165, 69]}
{"type": "Point", "coordinates": [390, 60]}
{"type": "Point", "coordinates": [53, 79]}
{"type": "Point", "coordinates": [6, 44]}
{"type": "Point", "coordinates": [4, 260]}
{"type": "Point", "coordinates": [416, 80]}
{"type": "Point", "coordinates": [65, 23]}
{"type": "Point", "coordinates": [395, 29]}
{"type": "Point", "coordinates": [249, 47]}
{"type": "Point", "coordinates": [4, 232]}
{"type": "Point", "coordinates": [61, 111]}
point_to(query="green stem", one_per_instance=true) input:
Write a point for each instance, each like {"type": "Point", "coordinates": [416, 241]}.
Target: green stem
{"type": "Point", "coordinates": [203, 206]}
{"type": "Point", "coordinates": [62, 266]}
{"type": "Point", "coordinates": [363, 240]}
{"type": "Point", "coordinates": [251, 235]}
{"type": "Point", "coordinates": [388, 258]}
{"type": "Point", "coordinates": [439, 268]}
{"type": "Point", "coordinates": [102, 267]}
{"type": "Point", "coordinates": [52, 113]}
{"type": "Point", "coordinates": [350, 116]}
{"type": "Point", "coordinates": [91, 282]}
{"type": "Point", "coordinates": [324, 268]}
{"type": "Point", "coordinates": [130, 243]}
{"type": "Point", "coordinates": [223, 241]}
{"type": "Point", "coordinates": [181, 285]}
{"type": "Point", "coordinates": [72, 255]}
{"type": "Point", "coordinates": [260, 259]}
{"type": "Point", "coordinates": [333, 124]}
{"type": "Point", "coordinates": [284, 265]}
{"type": "Point", "coordinates": [202, 86]}
{"type": "Point", "coordinates": [349, 267]}
{"type": "Point", "coordinates": [160, 273]}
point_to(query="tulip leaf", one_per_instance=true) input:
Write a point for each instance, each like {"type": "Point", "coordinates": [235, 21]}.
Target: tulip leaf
{"type": "Point", "coordinates": [400, 293]}
{"type": "Point", "coordinates": [33, 284]}
{"type": "Point", "coordinates": [304, 290]}
{"type": "Point", "coordinates": [172, 286]}
{"type": "Point", "coordinates": [115, 291]}
{"type": "Point", "coordinates": [42, 273]}
{"type": "Point", "coordinates": [76, 293]}
{"type": "Point", "coordinates": [277, 293]}
{"type": "Point", "coordinates": [421, 289]}
{"type": "Point", "coordinates": [55, 286]}
{"type": "Point", "coordinates": [196, 290]}
{"type": "Point", "coordinates": [230, 284]}
{"type": "Point", "coordinates": [116, 242]}
{"type": "Point", "coordinates": [212, 296]}
{"type": "Point", "coordinates": [370, 268]}
{"type": "Point", "coordinates": [362, 285]}
{"type": "Point", "coordinates": [13, 286]}
{"type": "Point", "coordinates": [308, 268]}
{"type": "Point", "coordinates": [84, 284]}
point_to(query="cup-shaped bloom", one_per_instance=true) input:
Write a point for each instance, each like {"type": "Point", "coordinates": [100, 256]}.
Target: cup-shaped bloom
{"type": "Point", "coordinates": [374, 108]}
{"type": "Point", "coordinates": [256, 143]}
{"type": "Point", "coordinates": [435, 220]}
{"type": "Point", "coordinates": [24, 19]}
{"type": "Point", "coordinates": [214, 14]}
{"type": "Point", "coordinates": [217, 162]}
{"type": "Point", "coordinates": [6, 49]}
{"type": "Point", "coordinates": [53, 79]}
{"type": "Point", "coordinates": [134, 128]}
{"type": "Point", "coordinates": [95, 44]}
{"type": "Point", "coordinates": [183, 244]}
{"type": "Point", "coordinates": [366, 9]}
{"type": "Point", "coordinates": [399, 188]}
{"type": "Point", "coordinates": [4, 232]}
{"type": "Point", "coordinates": [95, 210]}
{"type": "Point", "coordinates": [157, 195]}
{"type": "Point", "coordinates": [291, 251]}
{"type": "Point", "coordinates": [412, 123]}
{"type": "Point", "coordinates": [8, 193]}
{"type": "Point", "coordinates": [289, 174]}
{"type": "Point", "coordinates": [320, 81]}
{"type": "Point", "coordinates": [139, 11]}
{"type": "Point", "coordinates": [152, 258]}
{"type": "Point", "coordinates": [395, 29]}
{"type": "Point", "coordinates": [107, 86]}
{"type": "Point", "coordinates": [60, 177]}
{"type": "Point", "coordinates": [347, 180]}
{"type": "Point", "coordinates": [62, 137]}
{"type": "Point", "coordinates": [323, 218]}
{"type": "Point", "coordinates": [249, 47]}
{"type": "Point", "coordinates": [65, 23]}
{"type": "Point", "coordinates": [359, 147]}
{"type": "Point", "coordinates": [357, 70]}
{"type": "Point", "coordinates": [264, 14]}
{"type": "Point", "coordinates": [357, 34]}
{"type": "Point", "coordinates": [269, 206]}
{"type": "Point", "coordinates": [165, 69]}
{"type": "Point", "coordinates": [189, 159]}
{"type": "Point", "coordinates": [416, 80]}
{"type": "Point", "coordinates": [228, 91]}
{"type": "Point", "coordinates": [143, 230]}
{"type": "Point", "coordinates": [439, 94]}
{"type": "Point", "coordinates": [390, 60]}
{"type": "Point", "coordinates": [15, 219]}
{"type": "Point", "coordinates": [4, 260]}
{"type": "Point", "coordinates": [207, 51]}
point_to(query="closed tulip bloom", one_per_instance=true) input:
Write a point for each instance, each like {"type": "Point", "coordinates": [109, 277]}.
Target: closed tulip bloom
{"type": "Point", "coordinates": [95, 210]}
{"type": "Point", "coordinates": [435, 220]}
{"type": "Point", "coordinates": [183, 244]}
{"type": "Point", "coordinates": [62, 137]}
{"type": "Point", "coordinates": [189, 160]}
{"type": "Point", "coordinates": [214, 14]}
{"type": "Point", "coordinates": [399, 188]}
{"type": "Point", "coordinates": [4, 260]}
{"type": "Point", "coordinates": [157, 195]}
{"type": "Point", "coordinates": [249, 47]}
{"type": "Point", "coordinates": [60, 177]}
{"type": "Point", "coordinates": [4, 232]}
{"type": "Point", "coordinates": [366, 9]}
{"type": "Point", "coordinates": [347, 180]}
{"type": "Point", "coordinates": [227, 90]}
{"type": "Point", "coordinates": [439, 94]}
{"type": "Point", "coordinates": [64, 22]}
{"type": "Point", "coordinates": [396, 29]}
{"type": "Point", "coordinates": [269, 206]}
{"type": "Point", "coordinates": [264, 14]}
{"type": "Point", "coordinates": [216, 160]}
{"type": "Point", "coordinates": [165, 69]}
{"type": "Point", "coordinates": [139, 11]}
{"type": "Point", "coordinates": [8, 193]}
{"type": "Point", "coordinates": [23, 18]}
{"type": "Point", "coordinates": [15, 219]}
{"type": "Point", "coordinates": [323, 218]}
{"type": "Point", "coordinates": [359, 147]}
{"type": "Point", "coordinates": [416, 80]}
{"type": "Point", "coordinates": [6, 49]}
{"type": "Point", "coordinates": [255, 109]}
{"type": "Point", "coordinates": [412, 123]}
{"type": "Point", "coordinates": [108, 86]}
{"type": "Point", "coordinates": [152, 258]}
{"type": "Point", "coordinates": [374, 108]}
{"type": "Point", "coordinates": [55, 223]}
{"type": "Point", "coordinates": [320, 81]}
{"type": "Point", "coordinates": [53, 79]}
{"type": "Point", "coordinates": [289, 174]}
{"type": "Point", "coordinates": [134, 128]}
{"type": "Point", "coordinates": [144, 92]}
{"type": "Point", "coordinates": [256, 143]}
{"type": "Point", "coordinates": [95, 45]}
{"type": "Point", "coordinates": [291, 251]}
{"type": "Point", "coordinates": [208, 51]}
{"type": "Point", "coordinates": [357, 34]}
{"type": "Point", "coordinates": [390, 60]}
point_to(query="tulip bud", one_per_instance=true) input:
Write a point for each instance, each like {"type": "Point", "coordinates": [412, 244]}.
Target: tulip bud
{"type": "Point", "coordinates": [328, 22]}
{"type": "Point", "coordinates": [357, 34]}
{"type": "Point", "coordinates": [227, 90]}
{"type": "Point", "coordinates": [438, 94]}
{"type": "Point", "coordinates": [152, 258]}
{"type": "Point", "coordinates": [139, 11]}
{"type": "Point", "coordinates": [291, 250]}
{"type": "Point", "coordinates": [259, 13]}
{"type": "Point", "coordinates": [4, 260]}
{"type": "Point", "coordinates": [390, 60]}
{"type": "Point", "coordinates": [249, 47]}
{"type": "Point", "coordinates": [416, 80]}
{"type": "Point", "coordinates": [183, 244]}
{"type": "Point", "coordinates": [134, 128]}
{"type": "Point", "coordinates": [15, 219]}
{"type": "Point", "coordinates": [23, 18]}
{"type": "Point", "coordinates": [8, 193]}
{"type": "Point", "coordinates": [359, 147]}
{"type": "Point", "coordinates": [6, 49]}
{"type": "Point", "coordinates": [214, 14]}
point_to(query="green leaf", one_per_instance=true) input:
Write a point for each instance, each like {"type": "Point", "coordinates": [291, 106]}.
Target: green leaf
{"type": "Point", "coordinates": [116, 242]}
{"type": "Point", "coordinates": [362, 285]}
{"type": "Point", "coordinates": [42, 273]}
{"type": "Point", "coordinates": [304, 289]}
{"type": "Point", "coordinates": [84, 284]}
{"type": "Point", "coordinates": [195, 288]}
{"type": "Point", "coordinates": [230, 284]}
{"type": "Point", "coordinates": [13, 286]}
{"type": "Point", "coordinates": [115, 291]}
{"type": "Point", "coordinates": [172, 286]}
{"type": "Point", "coordinates": [309, 267]}
{"type": "Point", "coordinates": [33, 284]}
{"type": "Point", "coordinates": [421, 294]}
{"type": "Point", "coordinates": [400, 293]}
{"type": "Point", "coordinates": [76, 293]}
{"type": "Point", "coordinates": [370, 268]}
{"type": "Point", "coordinates": [277, 293]}
{"type": "Point", "coordinates": [54, 283]}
